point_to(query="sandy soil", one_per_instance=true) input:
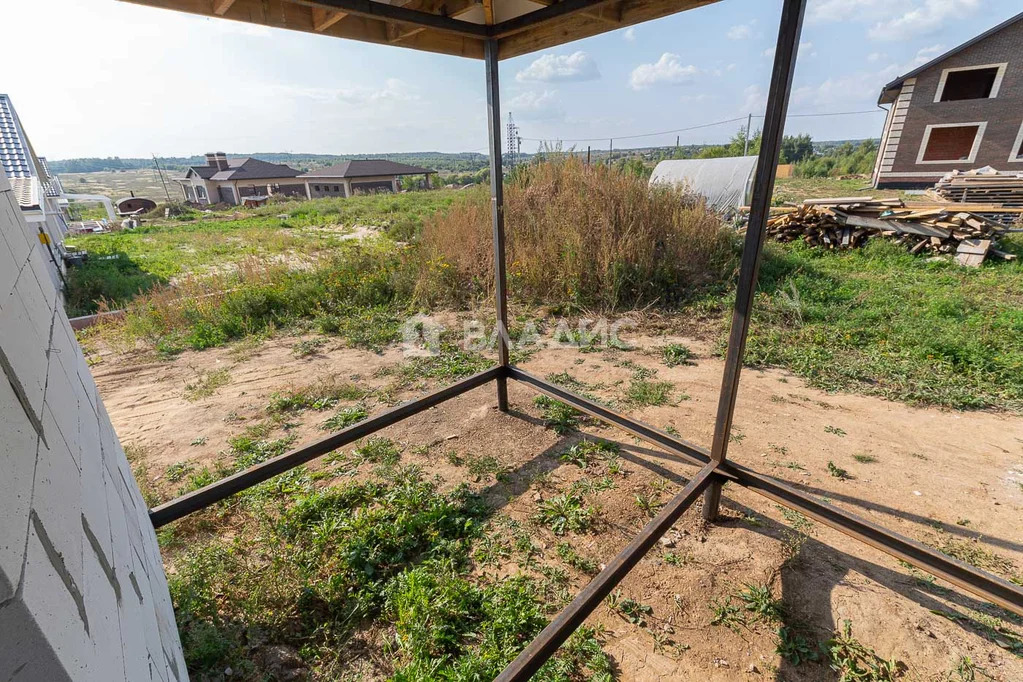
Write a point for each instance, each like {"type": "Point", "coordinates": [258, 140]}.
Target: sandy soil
{"type": "Point", "coordinates": [939, 476]}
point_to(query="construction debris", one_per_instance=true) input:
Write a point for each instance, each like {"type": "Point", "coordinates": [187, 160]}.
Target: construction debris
{"type": "Point", "coordinates": [982, 185]}
{"type": "Point", "coordinates": [848, 222]}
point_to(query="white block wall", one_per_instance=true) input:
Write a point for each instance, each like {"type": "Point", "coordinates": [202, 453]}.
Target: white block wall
{"type": "Point", "coordinates": [83, 594]}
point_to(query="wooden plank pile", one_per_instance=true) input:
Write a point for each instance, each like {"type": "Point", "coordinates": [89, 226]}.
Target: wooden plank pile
{"type": "Point", "coordinates": [848, 222]}
{"type": "Point", "coordinates": [983, 186]}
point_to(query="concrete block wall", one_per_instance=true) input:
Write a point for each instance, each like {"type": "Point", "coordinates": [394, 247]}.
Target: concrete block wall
{"type": "Point", "coordinates": [83, 594]}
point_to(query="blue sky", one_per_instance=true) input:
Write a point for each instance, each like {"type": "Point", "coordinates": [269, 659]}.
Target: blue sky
{"type": "Point", "coordinates": [205, 84]}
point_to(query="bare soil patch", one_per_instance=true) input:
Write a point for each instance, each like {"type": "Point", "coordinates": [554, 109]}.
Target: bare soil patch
{"type": "Point", "coordinates": [952, 479]}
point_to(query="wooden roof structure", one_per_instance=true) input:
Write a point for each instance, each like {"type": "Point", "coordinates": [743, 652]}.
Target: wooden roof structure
{"type": "Point", "coordinates": [455, 27]}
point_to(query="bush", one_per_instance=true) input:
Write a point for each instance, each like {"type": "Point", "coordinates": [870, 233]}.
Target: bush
{"type": "Point", "coordinates": [843, 160]}
{"type": "Point", "coordinates": [585, 236]}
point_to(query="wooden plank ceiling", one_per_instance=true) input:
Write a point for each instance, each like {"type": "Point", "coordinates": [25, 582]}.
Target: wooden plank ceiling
{"type": "Point", "coordinates": [455, 27]}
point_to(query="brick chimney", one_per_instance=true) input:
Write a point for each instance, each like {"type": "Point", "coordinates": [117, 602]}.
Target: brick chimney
{"type": "Point", "coordinates": [217, 160]}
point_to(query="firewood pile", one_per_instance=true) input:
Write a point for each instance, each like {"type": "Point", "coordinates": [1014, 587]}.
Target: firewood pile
{"type": "Point", "coordinates": [848, 222]}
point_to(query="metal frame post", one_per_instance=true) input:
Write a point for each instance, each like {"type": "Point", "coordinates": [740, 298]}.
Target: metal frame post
{"type": "Point", "coordinates": [763, 187]}
{"type": "Point", "coordinates": [497, 213]}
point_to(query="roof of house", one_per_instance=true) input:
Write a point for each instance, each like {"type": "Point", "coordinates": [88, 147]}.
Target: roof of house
{"type": "Point", "coordinates": [246, 169]}
{"type": "Point", "coordinates": [362, 168]}
{"type": "Point", "coordinates": [897, 83]}
{"type": "Point", "coordinates": [16, 157]}
{"type": "Point", "coordinates": [51, 183]}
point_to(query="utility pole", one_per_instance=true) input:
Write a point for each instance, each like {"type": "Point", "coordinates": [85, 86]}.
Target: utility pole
{"type": "Point", "coordinates": [610, 152]}
{"type": "Point", "coordinates": [160, 171]}
{"type": "Point", "coordinates": [749, 122]}
{"type": "Point", "coordinates": [587, 155]}
{"type": "Point", "coordinates": [677, 137]}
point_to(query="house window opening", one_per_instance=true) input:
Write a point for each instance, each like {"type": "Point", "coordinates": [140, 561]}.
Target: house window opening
{"type": "Point", "coordinates": [954, 143]}
{"type": "Point", "coordinates": [969, 84]}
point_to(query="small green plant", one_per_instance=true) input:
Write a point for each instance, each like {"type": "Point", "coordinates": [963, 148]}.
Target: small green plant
{"type": "Point", "coordinates": [176, 472]}
{"type": "Point", "coordinates": [633, 611]}
{"type": "Point", "coordinates": [480, 467]}
{"type": "Point", "coordinates": [675, 354]}
{"type": "Point", "coordinates": [676, 559]}
{"type": "Point", "coordinates": [583, 453]}
{"type": "Point", "coordinates": [565, 512]}
{"type": "Point", "coordinates": [307, 347]}
{"type": "Point", "coordinates": [199, 440]}
{"type": "Point", "coordinates": [759, 601]}
{"type": "Point", "coordinates": [649, 393]}
{"type": "Point", "coordinates": [726, 612]}
{"type": "Point", "coordinates": [206, 383]}
{"type": "Point", "coordinates": [570, 556]}
{"type": "Point", "coordinates": [837, 471]}
{"type": "Point", "coordinates": [378, 450]}
{"type": "Point", "coordinates": [736, 436]}
{"type": "Point", "coordinates": [835, 430]}
{"type": "Point", "coordinates": [649, 502]}
{"type": "Point", "coordinates": [794, 537]}
{"type": "Point", "coordinates": [344, 418]}
{"type": "Point", "coordinates": [794, 647]}
{"type": "Point", "coordinates": [557, 415]}
{"type": "Point", "coordinates": [855, 662]}
{"type": "Point", "coordinates": [865, 459]}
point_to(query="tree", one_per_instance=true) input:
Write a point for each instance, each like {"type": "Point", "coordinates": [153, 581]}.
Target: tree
{"type": "Point", "coordinates": [795, 148]}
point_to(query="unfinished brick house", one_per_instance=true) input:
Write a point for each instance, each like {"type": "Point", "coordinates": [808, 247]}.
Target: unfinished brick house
{"type": "Point", "coordinates": [959, 111]}
{"type": "Point", "coordinates": [226, 180]}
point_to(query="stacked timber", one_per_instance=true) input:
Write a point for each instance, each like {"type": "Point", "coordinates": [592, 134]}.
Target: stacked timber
{"type": "Point", "coordinates": [982, 186]}
{"type": "Point", "coordinates": [848, 222]}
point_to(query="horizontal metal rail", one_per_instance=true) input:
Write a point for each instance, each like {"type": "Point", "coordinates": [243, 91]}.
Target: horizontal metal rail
{"type": "Point", "coordinates": [973, 580]}
{"type": "Point", "coordinates": [969, 578]}
{"type": "Point", "coordinates": [572, 616]}
{"type": "Point", "coordinates": [691, 452]}
{"type": "Point", "coordinates": [204, 497]}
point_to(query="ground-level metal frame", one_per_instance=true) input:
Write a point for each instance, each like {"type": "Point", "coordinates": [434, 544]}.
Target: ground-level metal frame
{"type": "Point", "coordinates": [715, 469]}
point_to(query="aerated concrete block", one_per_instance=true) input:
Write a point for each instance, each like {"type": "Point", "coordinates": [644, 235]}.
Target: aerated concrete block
{"type": "Point", "coordinates": [18, 450]}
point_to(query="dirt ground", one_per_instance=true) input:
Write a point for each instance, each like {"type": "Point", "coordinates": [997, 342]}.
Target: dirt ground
{"type": "Point", "coordinates": [945, 478]}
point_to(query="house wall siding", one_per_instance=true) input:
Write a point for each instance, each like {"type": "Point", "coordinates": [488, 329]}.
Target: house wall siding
{"type": "Point", "coordinates": [75, 535]}
{"type": "Point", "coordinates": [1003, 113]}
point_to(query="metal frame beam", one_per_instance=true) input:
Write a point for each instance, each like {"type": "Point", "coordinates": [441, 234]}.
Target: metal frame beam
{"type": "Point", "coordinates": [572, 616]}
{"type": "Point", "coordinates": [490, 56]}
{"type": "Point", "coordinates": [786, 48]}
{"type": "Point", "coordinates": [557, 10]}
{"type": "Point", "coordinates": [224, 488]}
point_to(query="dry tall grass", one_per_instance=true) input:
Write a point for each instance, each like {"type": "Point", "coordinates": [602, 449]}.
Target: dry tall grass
{"type": "Point", "coordinates": [588, 236]}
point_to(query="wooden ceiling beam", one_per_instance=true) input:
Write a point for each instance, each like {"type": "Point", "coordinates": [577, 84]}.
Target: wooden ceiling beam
{"type": "Point", "coordinates": [488, 12]}
{"type": "Point", "coordinates": [401, 15]}
{"type": "Point", "coordinates": [325, 18]}
{"type": "Point", "coordinates": [220, 7]}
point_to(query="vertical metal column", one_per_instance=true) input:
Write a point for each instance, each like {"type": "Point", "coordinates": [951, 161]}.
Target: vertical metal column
{"type": "Point", "coordinates": [763, 187]}
{"type": "Point", "coordinates": [497, 212]}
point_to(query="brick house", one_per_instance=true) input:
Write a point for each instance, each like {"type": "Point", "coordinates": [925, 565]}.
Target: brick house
{"type": "Point", "coordinates": [360, 176]}
{"type": "Point", "coordinates": [959, 111]}
{"type": "Point", "coordinates": [228, 181]}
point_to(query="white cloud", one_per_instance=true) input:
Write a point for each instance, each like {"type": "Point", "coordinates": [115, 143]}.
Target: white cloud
{"type": "Point", "coordinates": [740, 32]}
{"type": "Point", "coordinates": [923, 19]}
{"type": "Point", "coordinates": [821, 11]}
{"type": "Point", "coordinates": [755, 100]}
{"type": "Point", "coordinates": [551, 68]}
{"type": "Point", "coordinates": [630, 34]}
{"type": "Point", "coordinates": [668, 69]}
{"type": "Point", "coordinates": [926, 54]}
{"type": "Point", "coordinates": [875, 57]}
{"type": "Point", "coordinates": [536, 105]}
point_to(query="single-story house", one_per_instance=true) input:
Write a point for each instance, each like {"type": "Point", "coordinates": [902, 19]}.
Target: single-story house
{"type": "Point", "coordinates": [363, 176]}
{"type": "Point", "coordinates": [961, 110]}
{"type": "Point", "coordinates": [228, 181]}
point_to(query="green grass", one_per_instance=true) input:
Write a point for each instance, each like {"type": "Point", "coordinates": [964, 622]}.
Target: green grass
{"type": "Point", "coordinates": [675, 354]}
{"type": "Point", "coordinates": [564, 513]}
{"type": "Point", "coordinates": [387, 564]}
{"type": "Point", "coordinates": [883, 322]}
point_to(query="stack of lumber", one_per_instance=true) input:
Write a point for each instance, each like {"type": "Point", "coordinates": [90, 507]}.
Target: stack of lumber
{"type": "Point", "coordinates": [848, 222]}
{"type": "Point", "coordinates": [983, 186]}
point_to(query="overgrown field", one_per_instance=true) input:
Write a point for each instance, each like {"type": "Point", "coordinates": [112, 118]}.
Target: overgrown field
{"type": "Point", "coordinates": [580, 242]}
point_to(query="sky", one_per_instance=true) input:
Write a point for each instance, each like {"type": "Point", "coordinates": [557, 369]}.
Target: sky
{"type": "Point", "coordinates": [106, 78]}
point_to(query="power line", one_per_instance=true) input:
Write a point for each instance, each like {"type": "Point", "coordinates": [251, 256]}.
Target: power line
{"type": "Point", "coordinates": [696, 127]}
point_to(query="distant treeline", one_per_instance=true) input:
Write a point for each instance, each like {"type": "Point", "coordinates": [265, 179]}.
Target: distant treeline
{"type": "Point", "coordinates": [463, 162]}
{"type": "Point", "coordinates": [843, 156]}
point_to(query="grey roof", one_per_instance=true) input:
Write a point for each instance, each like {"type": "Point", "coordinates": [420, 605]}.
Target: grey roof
{"type": "Point", "coordinates": [15, 156]}
{"type": "Point", "coordinates": [937, 60]}
{"type": "Point", "coordinates": [362, 168]}
{"type": "Point", "coordinates": [51, 183]}
{"type": "Point", "coordinates": [246, 169]}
